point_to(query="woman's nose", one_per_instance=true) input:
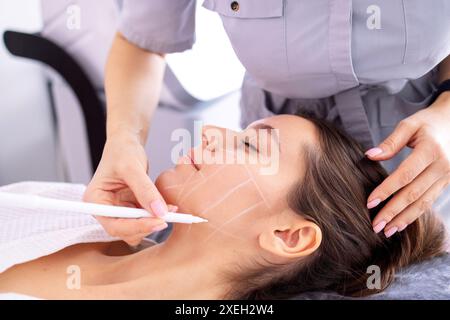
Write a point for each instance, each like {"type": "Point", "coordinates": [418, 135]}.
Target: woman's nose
{"type": "Point", "coordinates": [211, 136]}
{"type": "Point", "coordinates": [214, 138]}
{"type": "Point", "coordinates": [205, 138]}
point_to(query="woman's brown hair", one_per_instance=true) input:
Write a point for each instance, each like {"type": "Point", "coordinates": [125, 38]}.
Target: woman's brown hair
{"type": "Point", "coordinates": [333, 194]}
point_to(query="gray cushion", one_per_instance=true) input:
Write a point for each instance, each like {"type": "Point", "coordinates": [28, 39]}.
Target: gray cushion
{"type": "Point", "coordinates": [429, 280]}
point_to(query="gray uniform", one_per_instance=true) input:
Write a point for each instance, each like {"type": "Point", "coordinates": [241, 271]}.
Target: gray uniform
{"type": "Point", "coordinates": [362, 64]}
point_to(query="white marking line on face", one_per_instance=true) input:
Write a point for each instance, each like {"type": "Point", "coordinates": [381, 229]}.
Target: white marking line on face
{"type": "Point", "coordinates": [240, 214]}
{"type": "Point", "coordinates": [174, 186]}
{"type": "Point", "coordinates": [217, 229]}
{"type": "Point", "coordinates": [189, 229]}
{"type": "Point", "coordinates": [199, 182]}
{"type": "Point", "coordinates": [256, 186]}
{"type": "Point", "coordinates": [225, 196]}
{"type": "Point", "coordinates": [184, 185]}
{"type": "Point", "coordinates": [191, 183]}
{"type": "Point", "coordinates": [198, 185]}
{"type": "Point", "coordinates": [187, 182]}
{"type": "Point", "coordinates": [254, 182]}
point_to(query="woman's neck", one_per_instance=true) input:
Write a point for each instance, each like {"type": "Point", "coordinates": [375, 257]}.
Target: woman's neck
{"type": "Point", "coordinates": [171, 270]}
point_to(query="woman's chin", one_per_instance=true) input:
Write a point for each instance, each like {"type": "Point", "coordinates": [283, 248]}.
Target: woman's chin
{"type": "Point", "coordinates": [166, 185]}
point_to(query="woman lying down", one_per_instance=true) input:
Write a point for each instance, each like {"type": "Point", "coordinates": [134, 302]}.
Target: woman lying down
{"type": "Point", "coordinates": [302, 228]}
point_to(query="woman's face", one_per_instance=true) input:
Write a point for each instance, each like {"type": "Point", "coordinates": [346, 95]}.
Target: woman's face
{"type": "Point", "coordinates": [238, 181]}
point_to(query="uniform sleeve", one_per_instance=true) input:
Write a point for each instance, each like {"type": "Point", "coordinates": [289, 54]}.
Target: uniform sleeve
{"type": "Point", "coordinates": [162, 26]}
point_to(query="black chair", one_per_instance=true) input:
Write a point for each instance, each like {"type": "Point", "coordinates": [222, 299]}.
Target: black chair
{"type": "Point", "coordinates": [36, 47]}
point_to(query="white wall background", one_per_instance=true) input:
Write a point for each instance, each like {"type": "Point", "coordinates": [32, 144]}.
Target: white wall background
{"type": "Point", "coordinates": [27, 146]}
{"type": "Point", "coordinates": [27, 133]}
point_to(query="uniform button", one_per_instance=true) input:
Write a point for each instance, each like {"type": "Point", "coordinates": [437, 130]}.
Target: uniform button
{"type": "Point", "coordinates": [235, 6]}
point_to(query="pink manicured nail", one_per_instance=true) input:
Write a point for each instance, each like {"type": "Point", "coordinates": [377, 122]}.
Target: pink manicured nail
{"type": "Point", "coordinates": [380, 226]}
{"type": "Point", "coordinates": [403, 227]}
{"type": "Point", "coordinates": [390, 232]}
{"type": "Point", "coordinates": [158, 208]}
{"type": "Point", "coordinates": [373, 203]}
{"type": "Point", "coordinates": [172, 208]}
{"type": "Point", "coordinates": [373, 152]}
{"type": "Point", "coordinates": [160, 227]}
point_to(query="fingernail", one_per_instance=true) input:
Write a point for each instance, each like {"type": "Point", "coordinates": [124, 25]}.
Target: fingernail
{"type": "Point", "coordinates": [380, 226]}
{"type": "Point", "coordinates": [158, 208]}
{"type": "Point", "coordinates": [390, 232]}
{"type": "Point", "coordinates": [403, 227]}
{"type": "Point", "coordinates": [160, 227]}
{"type": "Point", "coordinates": [373, 152]}
{"type": "Point", "coordinates": [373, 203]}
{"type": "Point", "coordinates": [173, 208]}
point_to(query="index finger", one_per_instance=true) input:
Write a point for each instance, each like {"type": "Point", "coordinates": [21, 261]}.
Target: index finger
{"type": "Point", "coordinates": [146, 192]}
{"type": "Point", "coordinates": [396, 141]}
{"type": "Point", "coordinates": [407, 171]}
{"type": "Point", "coordinates": [121, 227]}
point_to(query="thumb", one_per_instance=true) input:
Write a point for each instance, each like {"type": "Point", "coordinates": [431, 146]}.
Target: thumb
{"type": "Point", "coordinates": [146, 192]}
{"type": "Point", "coordinates": [396, 141]}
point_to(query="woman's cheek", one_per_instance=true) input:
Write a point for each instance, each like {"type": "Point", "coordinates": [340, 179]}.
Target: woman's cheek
{"type": "Point", "coordinates": [235, 212]}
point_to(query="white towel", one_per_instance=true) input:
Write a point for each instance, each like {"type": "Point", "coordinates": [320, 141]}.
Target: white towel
{"type": "Point", "coordinates": [26, 235]}
{"type": "Point", "coordinates": [17, 296]}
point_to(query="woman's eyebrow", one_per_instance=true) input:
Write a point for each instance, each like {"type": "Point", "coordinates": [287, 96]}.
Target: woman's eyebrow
{"type": "Point", "coordinates": [270, 129]}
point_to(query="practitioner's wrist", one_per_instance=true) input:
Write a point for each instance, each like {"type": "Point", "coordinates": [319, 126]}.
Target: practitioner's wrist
{"type": "Point", "coordinates": [125, 134]}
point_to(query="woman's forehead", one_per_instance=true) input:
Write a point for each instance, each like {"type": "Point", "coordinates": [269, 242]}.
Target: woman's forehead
{"type": "Point", "coordinates": [290, 129]}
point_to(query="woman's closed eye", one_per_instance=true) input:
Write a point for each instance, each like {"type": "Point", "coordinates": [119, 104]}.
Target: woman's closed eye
{"type": "Point", "coordinates": [249, 146]}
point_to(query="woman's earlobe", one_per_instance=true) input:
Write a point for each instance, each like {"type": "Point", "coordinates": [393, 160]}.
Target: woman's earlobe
{"type": "Point", "coordinates": [295, 241]}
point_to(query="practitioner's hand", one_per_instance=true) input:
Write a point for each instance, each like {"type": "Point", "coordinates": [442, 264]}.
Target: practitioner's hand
{"type": "Point", "coordinates": [121, 179]}
{"type": "Point", "coordinates": [423, 175]}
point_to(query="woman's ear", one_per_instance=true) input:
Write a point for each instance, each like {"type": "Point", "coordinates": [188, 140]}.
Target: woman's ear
{"type": "Point", "coordinates": [295, 239]}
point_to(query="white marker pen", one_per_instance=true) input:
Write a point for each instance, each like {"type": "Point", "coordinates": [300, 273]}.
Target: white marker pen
{"type": "Point", "coordinates": [33, 202]}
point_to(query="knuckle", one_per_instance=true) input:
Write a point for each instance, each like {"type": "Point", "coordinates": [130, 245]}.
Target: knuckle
{"type": "Point", "coordinates": [406, 176]}
{"type": "Point", "coordinates": [427, 129]}
{"type": "Point", "coordinates": [412, 195]}
{"type": "Point", "coordinates": [407, 123]}
{"type": "Point", "coordinates": [436, 151]}
{"type": "Point", "coordinates": [427, 157]}
{"type": "Point", "coordinates": [389, 144]}
{"type": "Point", "coordinates": [389, 215]}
